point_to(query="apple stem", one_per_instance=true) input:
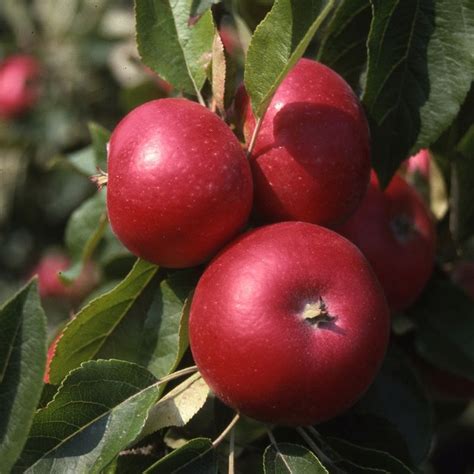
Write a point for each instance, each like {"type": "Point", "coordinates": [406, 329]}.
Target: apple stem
{"type": "Point", "coordinates": [273, 441]}
{"type": "Point", "coordinates": [317, 313]}
{"type": "Point", "coordinates": [231, 469]}
{"type": "Point", "coordinates": [226, 431]}
{"type": "Point", "coordinates": [200, 98]}
{"type": "Point", "coordinates": [177, 374]}
{"type": "Point", "coordinates": [254, 136]}
{"type": "Point", "coordinates": [317, 450]}
{"type": "Point", "coordinates": [100, 179]}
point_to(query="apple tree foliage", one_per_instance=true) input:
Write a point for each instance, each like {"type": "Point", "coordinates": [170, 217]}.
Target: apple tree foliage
{"type": "Point", "coordinates": [113, 404]}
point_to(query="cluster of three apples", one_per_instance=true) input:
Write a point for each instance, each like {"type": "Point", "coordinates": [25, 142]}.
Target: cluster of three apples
{"type": "Point", "coordinates": [288, 322]}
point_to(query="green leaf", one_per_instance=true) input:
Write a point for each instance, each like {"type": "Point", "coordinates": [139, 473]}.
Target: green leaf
{"type": "Point", "coordinates": [83, 161]}
{"type": "Point", "coordinates": [359, 459]}
{"type": "Point", "coordinates": [87, 160]}
{"type": "Point", "coordinates": [277, 44]}
{"type": "Point", "coordinates": [368, 430]}
{"type": "Point", "coordinates": [343, 47]}
{"type": "Point", "coordinates": [99, 409]}
{"type": "Point", "coordinates": [177, 407]}
{"type": "Point", "coordinates": [462, 187]}
{"type": "Point", "coordinates": [154, 331]}
{"type": "Point", "coordinates": [289, 458]}
{"type": "Point", "coordinates": [84, 231]}
{"type": "Point", "coordinates": [200, 6]}
{"type": "Point", "coordinates": [178, 51]}
{"type": "Point", "coordinates": [195, 457]}
{"type": "Point", "coordinates": [84, 335]}
{"type": "Point", "coordinates": [166, 327]}
{"type": "Point", "coordinates": [100, 137]}
{"type": "Point", "coordinates": [396, 386]}
{"type": "Point", "coordinates": [420, 68]}
{"type": "Point", "coordinates": [22, 365]}
{"type": "Point", "coordinates": [444, 318]}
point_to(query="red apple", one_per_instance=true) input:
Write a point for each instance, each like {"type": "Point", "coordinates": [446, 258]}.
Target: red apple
{"type": "Point", "coordinates": [179, 185]}
{"type": "Point", "coordinates": [19, 76]}
{"type": "Point", "coordinates": [311, 160]}
{"type": "Point", "coordinates": [395, 231]}
{"type": "Point", "coordinates": [420, 163]}
{"type": "Point", "coordinates": [230, 39]}
{"type": "Point", "coordinates": [50, 285]}
{"type": "Point", "coordinates": [289, 324]}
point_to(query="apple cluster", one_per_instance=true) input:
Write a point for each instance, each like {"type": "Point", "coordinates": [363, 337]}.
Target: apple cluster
{"type": "Point", "coordinates": [290, 321]}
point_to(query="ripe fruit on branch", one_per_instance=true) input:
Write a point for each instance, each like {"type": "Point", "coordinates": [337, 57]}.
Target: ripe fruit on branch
{"type": "Point", "coordinates": [50, 285]}
{"type": "Point", "coordinates": [311, 160]}
{"type": "Point", "coordinates": [289, 324]}
{"type": "Point", "coordinates": [19, 76]}
{"type": "Point", "coordinates": [394, 230]}
{"type": "Point", "coordinates": [179, 185]}
{"type": "Point", "coordinates": [420, 163]}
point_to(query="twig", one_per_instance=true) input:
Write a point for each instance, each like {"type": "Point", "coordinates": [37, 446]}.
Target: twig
{"type": "Point", "coordinates": [253, 140]}
{"type": "Point", "coordinates": [317, 450]}
{"type": "Point", "coordinates": [175, 375]}
{"type": "Point", "coordinates": [229, 427]}
{"type": "Point", "coordinates": [231, 469]}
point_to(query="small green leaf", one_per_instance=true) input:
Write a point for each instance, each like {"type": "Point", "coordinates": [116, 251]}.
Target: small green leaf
{"type": "Point", "coordinates": [99, 409]}
{"type": "Point", "coordinates": [444, 318]}
{"type": "Point", "coordinates": [177, 407]}
{"type": "Point", "coordinates": [195, 457]}
{"type": "Point", "coordinates": [22, 365]}
{"type": "Point", "coordinates": [84, 231]}
{"type": "Point", "coordinates": [84, 335]}
{"type": "Point", "coordinates": [277, 44]}
{"type": "Point", "coordinates": [287, 458]}
{"type": "Point", "coordinates": [420, 69]}
{"type": "Point", "coordinates": [83, 161]}
{"type": "Point", "coordinates": [343, 47]}
{"type": "Point", "coordinates": [180, 52]}
{"type": "Point", "coordinates": [359, 459]}
{"type": "Point", "coordinates": [396, 386]}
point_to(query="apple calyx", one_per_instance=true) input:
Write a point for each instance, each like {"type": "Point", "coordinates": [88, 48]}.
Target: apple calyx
{"type": "Point", "coordinates": [403, 227]}
{"type": "Point", "coordinates": [316, 313]}
{"type": "Point", "coordinates": [100, 179]}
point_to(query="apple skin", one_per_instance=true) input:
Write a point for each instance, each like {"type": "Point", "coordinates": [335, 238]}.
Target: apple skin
{"type": "Point", "coordinates": [179, 185]}
{"type": "Point", "coordinates": [254, 347]}
{"type": "Point", "coordinates": [49, 284]}
{"type": "Point", "coordinates": [395, 231]}
{"type": "Point", "coordinates": [420, 163]}
{"type": "Point", "coordinates": [19, 76]}
{"type": "Point", "coordinates": [311, 160]}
